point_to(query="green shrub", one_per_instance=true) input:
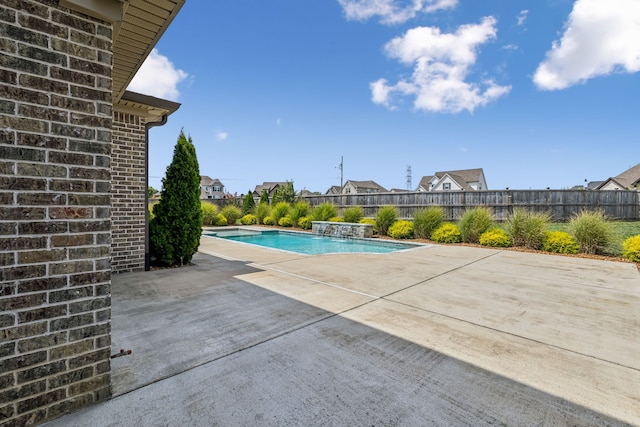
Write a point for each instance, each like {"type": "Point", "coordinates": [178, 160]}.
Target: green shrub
{"type": "Point", "coordinates": [249, 219]}
{"type": "Point", "coordinates": [496, 238]}
{"type": "Point", "coordinates": [447, 233]}
{"type": "Point", "coordinates": [527, 228]}
{"type": "Point", "coordinates": [280, 210]}
{"type": "Point", "coordinates": [231, 213]}
{"type": "Point", "coordinates": [401, 229]}
{"type": "Point", "coordinates": [300, 209]}
{"type": "Point", "coordinates": [176, 227]}
{"type": "Point", "coordinates": [593, 233]}
{"type": "Point", "coordinates": [631, 248]}
{"type": "Point", "coordinates": [474, 222]}
{"type": "Point", "coordinates": [385, 217]}
{"type": "Point", "coordinates": [305, 222]}
{"type": "Point", "coordinates": [268, 220]}
{"type": "Point", "coordinates": [559, 242]}
{"type": "Point", "coordinates": [209, 212]}
{"type": "Point", "coordinates": [353, 214]}
{"type": "Point", "coordinates": [248, 204]}
{"type": "Point", "coordinates": [426, 220]}
{"type": "Point", "coordinates": [323, 212]}
{"type": "Point", "coordinates": [263, 210]}
{"type": "Point", "coordinates": [336, 219]}
{"type": "Point", "coordinates": [220, 220]}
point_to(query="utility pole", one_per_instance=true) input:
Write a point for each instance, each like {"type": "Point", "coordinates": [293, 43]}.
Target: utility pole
{"type": "Point", "coordinates": [341, 167]}
{"type": "Point", "coordinates": [409, 186]}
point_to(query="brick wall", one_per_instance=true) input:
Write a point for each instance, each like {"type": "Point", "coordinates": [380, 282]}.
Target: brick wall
{"type": "Point", "coordinates": [128, 192]}
{"type": "Point", "coordinates": [55, 134]}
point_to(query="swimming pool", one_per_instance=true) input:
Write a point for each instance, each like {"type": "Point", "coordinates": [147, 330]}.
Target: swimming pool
{"type": "Point", "coordinates": [306, 243]}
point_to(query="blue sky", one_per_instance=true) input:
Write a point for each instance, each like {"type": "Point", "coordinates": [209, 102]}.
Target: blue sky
{"type": "Point", "coordinates": [539, 93]}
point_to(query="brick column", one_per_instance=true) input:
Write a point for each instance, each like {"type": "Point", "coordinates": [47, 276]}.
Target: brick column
{"type": "Point", "coordinates": [55, 231]}
{"type": "Point", "coordinates": [128, 189]}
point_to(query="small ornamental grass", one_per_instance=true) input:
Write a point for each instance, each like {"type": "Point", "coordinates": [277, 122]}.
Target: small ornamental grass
{"type": "Point", "coordinates": [209, 213]}
{"type": "Point", "coordinates": [527, 228]}
{"type": "Point", "coordinates": [324, 211]}
{"type": "Point", "coordinates": [262, 211]}
{"type": "Point", "coordinates": [592, 232]}
{"type": "Point", "coordinates": [353, 214]}
{"type": "Point", "coordinates": [249, 219]}
{"type": "Point", "coordinates": [447, 233]}
{"type": "Point", "coordinates": [231, 213]}
{"type": "Point", "coordinates": [385, 217]}
{"type": "Point", "coordinates": [474, 222]}
{"type": "Point", "coordinates": [559, 242]}
{"type": "Point", "coordinates": [401, 230]}
{"type": "Point", "coordinates": [298, 210]}
{"type": "Point", "coordinates": [426, 220]}
{"type": "Point", "coordinates": [631, 248]}
{"type": "Point", "coordinates": [496, 238]}
{"type": "Point", "coordinates": [280, 210]}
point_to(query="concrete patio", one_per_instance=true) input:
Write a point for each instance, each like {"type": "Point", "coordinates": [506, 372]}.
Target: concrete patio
{"type": "Point", "coordinates": [439, 335]}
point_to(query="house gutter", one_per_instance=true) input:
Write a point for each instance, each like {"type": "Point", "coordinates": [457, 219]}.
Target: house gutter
{"type": "Point", "coordinates": [147, 126]}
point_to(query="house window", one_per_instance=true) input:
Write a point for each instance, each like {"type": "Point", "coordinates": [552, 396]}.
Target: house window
{"type": "Point", "coordinates": [446, 186]}
{"type": "Point", "coordinates": [348, 190]}
{"type": "Point", "coordinates": [217, 188]}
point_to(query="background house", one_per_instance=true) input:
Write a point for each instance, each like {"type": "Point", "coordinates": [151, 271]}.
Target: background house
{"type": "Point", "coordinates": [211, 188]}
{"type": "Point", "coordinates": [627, 180]}
{"type": "Point", "coordinates": [334, 189]}
{"type": "Point", "coordinates": [458, 180]}
{"type": "Point", "coordinates": [270, 187]}
{"type": "Point", "coordinates": [362, 187]}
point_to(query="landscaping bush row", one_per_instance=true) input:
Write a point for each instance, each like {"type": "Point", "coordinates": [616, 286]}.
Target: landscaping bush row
{"type": "Point", "coordinates": [588, 232]}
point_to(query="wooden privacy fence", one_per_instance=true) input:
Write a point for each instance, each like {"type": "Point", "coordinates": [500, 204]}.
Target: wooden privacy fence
{"type": "Point", "coordinates": [561, 204]}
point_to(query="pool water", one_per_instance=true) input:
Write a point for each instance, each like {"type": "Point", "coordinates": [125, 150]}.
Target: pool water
{"type": "Point", "coordinates": [308, 243]}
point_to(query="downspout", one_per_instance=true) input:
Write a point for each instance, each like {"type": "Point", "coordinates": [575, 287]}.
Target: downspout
{"type": "Point", "coordinates": [147, 126]}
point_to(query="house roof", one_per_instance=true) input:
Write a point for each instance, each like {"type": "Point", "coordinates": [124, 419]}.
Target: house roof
{"type": "Point", "coordinates": [269, 186]}
{"type": "Point", "coordinates": [466, 175]}
{"type": "Point", "coordinates": [207, 180]}
{"type": "Point", "coordinates": [367, 184]}
{"type": "Point", "coordinates": [424, 182]}
{"type": "Point", "coordinates": [142, 25]}
{"type": "Point", "coordinates": [627, 179]}
{"type": "Point", "coordinates": [150, 107]}
{"type": "Point", "coordinates": [137, 27]}
{"type": "Point", "coordinates": [630, 177]}
{"type": "Point", "coordinates": [334, 189]}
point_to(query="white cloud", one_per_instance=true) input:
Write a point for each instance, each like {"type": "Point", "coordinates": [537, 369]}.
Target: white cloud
{"type": "Point", "coordinates": [221, 136]}
{"type": "Point", "coordinates": [522, 17]}
{"type": "Point", "coordinates": [600, 38]}
{"type": "Point", "coordinates": [392, 11]}
{"type": "Point", "coordinates": [441, 65]}
{"type": "Point", "coordinates": [158, 77]}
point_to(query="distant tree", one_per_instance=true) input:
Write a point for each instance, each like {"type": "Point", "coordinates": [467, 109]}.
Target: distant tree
{"type": "Point", "coordinates": [152, 191]}
{"type": "Point", "coordinates": [177, 222]}
{"type": "Point", "coordinates": [249, 203]}
{"type": "Point", "coordinates": [264, 197]}
{"type": "Point", "coordinates": [285, 193]}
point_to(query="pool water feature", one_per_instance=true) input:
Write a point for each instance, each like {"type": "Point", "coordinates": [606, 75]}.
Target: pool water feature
{"type": "Point", "coordinates": [309, 244]}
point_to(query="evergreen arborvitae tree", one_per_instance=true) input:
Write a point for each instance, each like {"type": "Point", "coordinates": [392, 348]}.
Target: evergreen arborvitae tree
{"type": "Point", "coordinates": [249, 203]}
{"type": "Point", "coordinates": [176, 227]}
{"type": "Point", "coordinates": [264, 197]}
